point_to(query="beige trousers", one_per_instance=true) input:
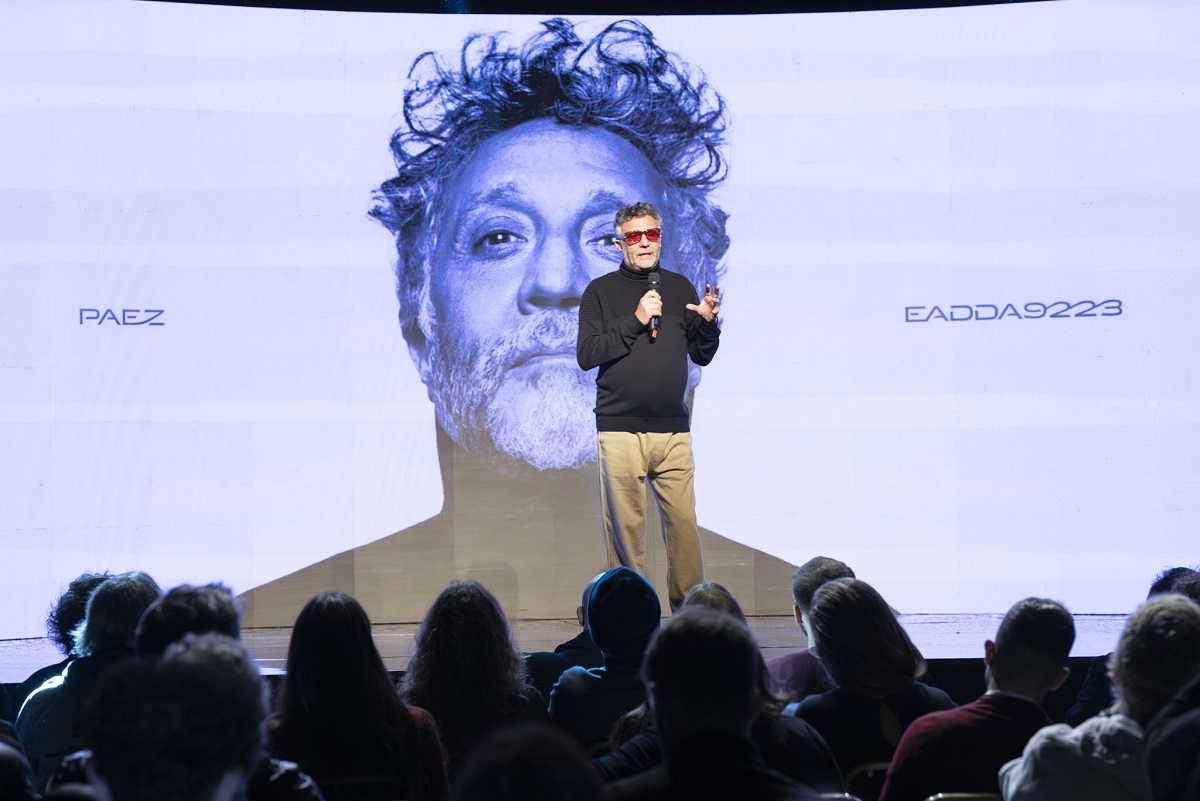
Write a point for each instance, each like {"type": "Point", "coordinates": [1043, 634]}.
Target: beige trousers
{"type": "Point", "coordinates": [627, 461]}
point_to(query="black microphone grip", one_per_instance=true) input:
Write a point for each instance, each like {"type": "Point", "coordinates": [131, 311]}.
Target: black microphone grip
{"type": "Point", "coordinates": [653, 282]}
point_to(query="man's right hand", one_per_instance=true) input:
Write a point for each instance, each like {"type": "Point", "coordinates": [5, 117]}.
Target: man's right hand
{"type": "Point", "coordinates": [649, 306]}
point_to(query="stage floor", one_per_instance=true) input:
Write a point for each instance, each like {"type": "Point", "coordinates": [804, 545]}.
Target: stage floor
{"type": "Point", "coordinates": [940, 637]}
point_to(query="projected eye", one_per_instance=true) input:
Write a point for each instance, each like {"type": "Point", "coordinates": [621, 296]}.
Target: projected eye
{"type": "Point", "coordinates": [599, 242]}
{"type": "Point", "coordinates": [495, 244]}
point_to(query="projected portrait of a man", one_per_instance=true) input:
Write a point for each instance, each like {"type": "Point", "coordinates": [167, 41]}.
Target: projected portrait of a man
{"type": "Point", "coordinates": [511, 164]}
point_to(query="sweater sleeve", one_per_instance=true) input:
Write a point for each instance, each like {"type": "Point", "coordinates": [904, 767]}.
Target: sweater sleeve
{"type": "Point", "coordinates": [595, 345]}
{"type": "Point", "coordinates": [703, 337]}
{"type": "Point", "coordinates": [1045, 770]}
{"type": "Point", "coordinates": [640, 752]}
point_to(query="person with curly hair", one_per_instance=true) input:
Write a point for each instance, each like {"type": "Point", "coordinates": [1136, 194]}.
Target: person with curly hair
{"type": "Point", "coordinates": [49, 722]}
{"type": "Point", "coordinates": [61, 620]}
{"type": "Point", "coordinates": [512, 160]}
{"type": "Point", "coordinates": [466, 670]}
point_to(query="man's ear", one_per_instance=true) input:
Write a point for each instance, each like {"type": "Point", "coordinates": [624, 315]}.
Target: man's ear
{"type": "Point", "coordinates": [579, 616]}
{"type": "Point", "coordinates": [989, 652]}
{"type": "Point", "coordinates": [1059, 679]}
{"type": "Point", "coordinates": [796, 613]}
{"type": "Point", "coordinates": [418, 348]}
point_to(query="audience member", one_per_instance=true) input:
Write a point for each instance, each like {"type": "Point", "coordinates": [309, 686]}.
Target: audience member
{"type": "Point", "coordinates": [703, 672]}
{"type": "Point", "coordinates": [800, 673]}
{"type": "Point", "coordinates": [788, 744]}
{"type": "Point", "coordinates": [623, 612]}
{"type": "Point", "coordinates": [1095, 694]}
{"type": "Point", "coordinates": [8, 736]}
{"type": "Point", "coordinates": [544, 668]}
{"type": "Point", "coordinates": [707, 594]}
{"type": "Point", "coordinates": [1173, 747]}
{"type": "Point", "coordinates": [16, 777]}
{"type": "Point", "coordinates": [208, 609]}
{"type": "Point", "coordinates": [62, 619]}
{"type": "Point", "coordinates": [185, 728]}
{"type": "Point", "coordinates": [340, 717]}
{"type": "Point", "coordinates": [961, 750]}
{"type": "Point", "coordinates": [528, 762]}
{"type": "Point", "coordinates": [466, 670]}
{"type": "Point", "coordinates": [198, 610]}
{"type": "Point", "coordinates": [875, 668]}
{"type": "Point", "coordinates": [49, 722]}
{"type": "Point", "coordinates": [1188, 585]}
{"type": "Point", "coordinates": [1101, 759]}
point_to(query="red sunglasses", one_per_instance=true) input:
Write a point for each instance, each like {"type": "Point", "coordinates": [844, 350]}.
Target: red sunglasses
{"type": "Point", "coordinates": [633, 237]}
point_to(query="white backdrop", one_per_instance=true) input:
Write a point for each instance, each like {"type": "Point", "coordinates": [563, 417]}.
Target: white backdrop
{"type": "Point", "coordinates": [896, 179]}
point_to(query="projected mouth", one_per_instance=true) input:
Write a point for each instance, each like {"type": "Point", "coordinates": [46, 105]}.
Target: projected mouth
{"type": "Point", "coordinates": [543, 356]}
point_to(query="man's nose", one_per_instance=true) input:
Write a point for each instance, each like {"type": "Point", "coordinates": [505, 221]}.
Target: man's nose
{"type": "Point", "coordinates": [556, 278]}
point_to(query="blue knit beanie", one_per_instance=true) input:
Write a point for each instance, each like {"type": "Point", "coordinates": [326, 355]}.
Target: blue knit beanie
{"type": "Point", "coordinates": [623, 612]}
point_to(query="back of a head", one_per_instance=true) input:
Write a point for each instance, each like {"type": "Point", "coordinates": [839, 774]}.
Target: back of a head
{"type": "Point", "coordinates": [113, 612]}
{"type": "Point", "coordinates": [1158, 653]}
{"type": "Point", "coordinates": [532, 762]}
{"type": "Point", "coordinates": [1188, 586]}
{"type": "Point", "coordinates": [623, 613]}
{"type": "Point", "coordinates": [583, 601]}
{"type": "Point", "coordinates": [465, 669]}
{"type": "Point", "coordinates": [712, 595]}
{"type": "Point", "coordinates": [706, 665]}
{"type": "Point", "coordinates": [1166, 580]}
{"type": "Point", "coordinates": [809, 577]}
{"type": "Point", "coordinates": [861, 644]}
{"type": "Point", "coordinates": [172, 729]}
{"type": "Point", "coordinates": [187, 610]}
{"type": "Point", "coordinates": [334, 669]}
{"type": "Point", "coordinates": [1032, 643]}
{"type": "Point", "coordinates": [69, 610]}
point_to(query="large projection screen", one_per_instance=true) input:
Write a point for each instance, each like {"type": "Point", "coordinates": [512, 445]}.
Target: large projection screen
{"type": "Point", "coordinates": [957, 349]}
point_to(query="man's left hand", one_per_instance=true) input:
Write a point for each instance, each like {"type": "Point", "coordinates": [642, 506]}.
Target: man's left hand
{"type": "Point", "coordinates": [709, 305]}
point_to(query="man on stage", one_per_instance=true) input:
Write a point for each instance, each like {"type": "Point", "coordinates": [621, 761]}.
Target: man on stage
{"type": "Point", "coordinates": [642, 344]}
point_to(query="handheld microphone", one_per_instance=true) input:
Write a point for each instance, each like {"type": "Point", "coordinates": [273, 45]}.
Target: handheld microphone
{"type": "Point", "coordinates": [653, 282]}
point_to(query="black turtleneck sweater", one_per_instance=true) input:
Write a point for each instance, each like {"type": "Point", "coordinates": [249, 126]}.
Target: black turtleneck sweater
{"type": "Point", "coordinates": [642, 382]}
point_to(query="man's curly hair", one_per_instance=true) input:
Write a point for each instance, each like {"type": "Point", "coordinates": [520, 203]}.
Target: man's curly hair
{"type": "Point", "coordinates": [621, 81]}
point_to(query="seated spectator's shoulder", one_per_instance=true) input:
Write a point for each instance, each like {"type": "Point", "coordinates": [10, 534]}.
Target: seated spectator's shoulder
{"type": "Point", "coordinates": [572, 684]}
{"type": "Point", "coordinates": [937, 698]}
{"type": "Point", "coordinates": [535, 706]}
{"type": "Point", "coordinates": [813, 704]}
{"type": "Point", "coordinates": [281, 780]}
{"type": "Point", "coordinates": [1046, 747]}
{"type": "Point", "coordinates": [575, 679]}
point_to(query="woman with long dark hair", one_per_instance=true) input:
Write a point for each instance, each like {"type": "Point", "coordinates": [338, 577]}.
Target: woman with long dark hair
{"type": "Point", "coordinates": [467, 671]}
{"type": "Point", "coordinates": [341, 718]}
